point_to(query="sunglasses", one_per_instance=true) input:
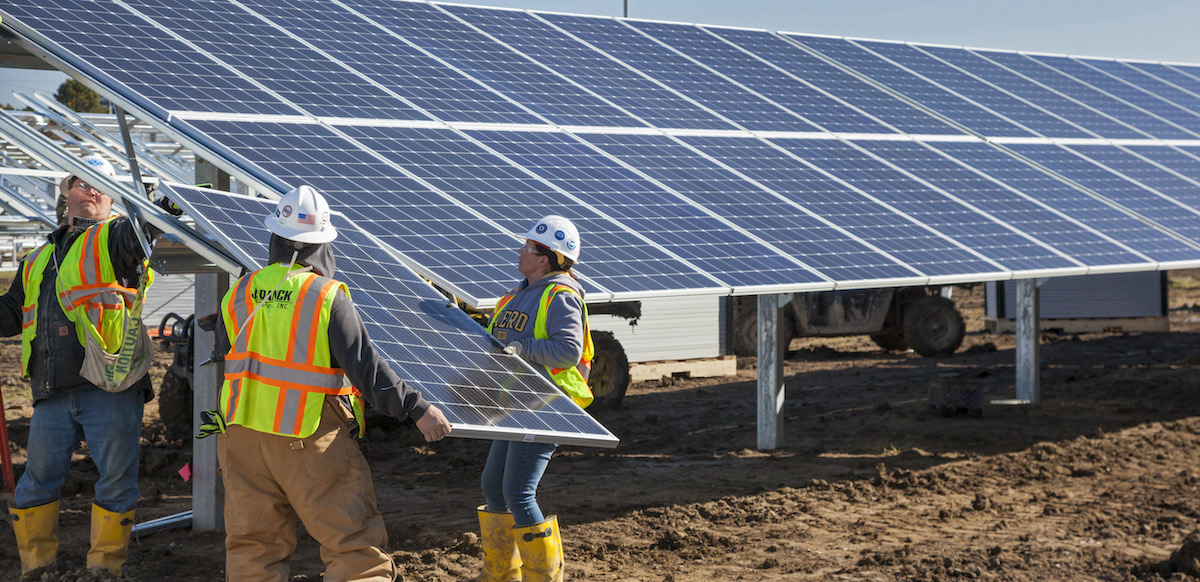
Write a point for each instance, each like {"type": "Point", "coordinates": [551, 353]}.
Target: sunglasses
{"type": "Point", "coordinates": [82, 185]}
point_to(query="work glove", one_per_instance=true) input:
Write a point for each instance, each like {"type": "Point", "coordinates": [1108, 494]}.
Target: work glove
{"type": "Point", "coordinates": [171, 208]}
{"type": "Point", "coordinates": [514, 348]}
{"type": "Point", "coordinates": [211, 422]}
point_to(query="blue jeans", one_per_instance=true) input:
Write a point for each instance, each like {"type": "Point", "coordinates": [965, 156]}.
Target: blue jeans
{"type": "Point", "coordinates": [510, 479]}
{"type": "Point", "coordinates": [112, 426]}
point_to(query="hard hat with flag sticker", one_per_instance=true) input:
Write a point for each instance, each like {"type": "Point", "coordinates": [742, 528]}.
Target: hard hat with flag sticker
{"type": "Point", "coordinates": [557, 234]}
{"type": "Point", "coordinates": [302, 215]}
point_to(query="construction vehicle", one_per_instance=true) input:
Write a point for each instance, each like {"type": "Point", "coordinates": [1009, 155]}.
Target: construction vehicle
{"type": "Point", "coordinates": [897, 319]}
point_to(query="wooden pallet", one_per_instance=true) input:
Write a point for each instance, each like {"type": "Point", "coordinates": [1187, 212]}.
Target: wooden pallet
{"type": "Point", "coordinates": [699, 368]}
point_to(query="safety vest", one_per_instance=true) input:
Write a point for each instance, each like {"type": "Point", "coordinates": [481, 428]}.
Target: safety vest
{"type": "Point", "coordinates": [278, 370]}
{"type": "Point", "coordinates": [573, 380]}
{"type": "Point", "coordinates": [87, 288]}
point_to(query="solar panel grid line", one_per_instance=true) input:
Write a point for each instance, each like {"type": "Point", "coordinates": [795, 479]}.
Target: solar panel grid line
{"type": "Point", "coordinates": [432, 345]}
{"type": "Point", "coordinates": [1127, 93]}
{"type": "Point", "coordinates": [1075, 91]}
{"type": "Point", "coordinates": [972, 89]}
{"type": "Point", "coordinates": [951, 106]}
{"type": "Point", "coordinates": [523, 196]}
{"type": "Point", "coordinates": [760, 77]}
{"type": "Point", "coordinates": [950, 126]}
{"type": "Point", "coordinates": [616, 80]}
{"type": "Point", "coordinates": [1146, 82]}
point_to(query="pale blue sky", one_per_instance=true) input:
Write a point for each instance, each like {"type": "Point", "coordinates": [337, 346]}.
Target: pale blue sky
{"type": "Point", "coordinates": [1160, 30]}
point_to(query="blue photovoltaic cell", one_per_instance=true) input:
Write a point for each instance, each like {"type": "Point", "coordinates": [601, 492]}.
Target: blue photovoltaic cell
{"type": "Point", "coordinates": [1170, 74]}
{"type": "Point", "coordinates": [1037, 184]}
{"type": "Point", "coordinates": [1147, 124]}
{"type": "Point", "coordinates": [1101, 180]}
{"type": "Point", "coordinates": [931, 253]}
{"type": "Point", "coordinates": [899, 236]}
{"type": "Point", "coordinates": [755, 74]}
{"type": "Point", "coordinates": [1184, 124]}
{"type": "Point", "coordinates": [831, 79]}
{"type": "Point", "coordinates": [919, 90]}
{"type": "Point", "coordinates": [1147, 82]}
{"type": "Point", "coordinates": [610, 255]}
{"type": "Point", "coordinates": [1085, 117]}
{"type": "Point", "coordinates": [660, 216]}
{"type": "Point", "coordinates": [981, 93]}
{"type": "Point", "coordinates": [609, 79]}
{"type": "Point", "coordinates": [458, 246]}
{"type": "Point", "coordinates": [680, 73]}
{"type": "Point", "coordinates": [145, 59]}
{"type": "Point", "coordinates": [1174, 159]}
{"type": "Point", "coordinates": [833, 253]}
{"type": "Point", "coordinates": [526, 82]}
{"type": "Point", "coordinates": [1150, 175]}
{"type": "Point", "coordinates": [1008, 206]}
{"type": "Point", "coordinates": [393, 63]}
{"type": "Point", "coordinates": [436, 348]}
{"type": "Point", "coordinates": [279, 62]}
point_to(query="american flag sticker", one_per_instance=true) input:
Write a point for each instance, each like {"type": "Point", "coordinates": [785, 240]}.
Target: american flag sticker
{"type": "Point", "coordinates": [303, 218]}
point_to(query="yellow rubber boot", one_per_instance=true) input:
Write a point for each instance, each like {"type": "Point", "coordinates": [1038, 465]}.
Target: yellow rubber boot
{"type": "Point", "coordinates": [501, 562]}
{"type": "Point", "coordinates": [541, 551]}
{"type": "Point", "coordinates": [110, 539]}
{"type": "Point", "coordinates": [36, 529]}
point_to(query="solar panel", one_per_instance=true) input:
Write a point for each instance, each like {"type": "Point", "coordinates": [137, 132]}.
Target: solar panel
{"type": "Point", "coordinates": [919, 90]}
{"type": "Point", "coordinates": [974, 89]}
{"type": "Point", "coordinates": [682, 74]}
{"type": "Point", "coordinates": [431, 344]}
{"type": "Point", "coordinates": [772, 83]}
{"type": "Point", "coordinates": [1131, 233]}
{"type": "Point", "coordinates": [623, 86]}
{"type": "Point", "coordinates": [1130, 164]}
{"type": "Point", "coordinates": [1175, 77]}
{"type": "Point", "coordinates": [1147, 82]}
{"type": "Point", "coordinates": [1129, 94]}
{"type": "Point", "coordinates": [532, 85]}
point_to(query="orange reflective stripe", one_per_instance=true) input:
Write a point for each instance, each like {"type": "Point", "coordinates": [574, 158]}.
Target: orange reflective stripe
{"type": "Point", "coordinates": [284, 384]}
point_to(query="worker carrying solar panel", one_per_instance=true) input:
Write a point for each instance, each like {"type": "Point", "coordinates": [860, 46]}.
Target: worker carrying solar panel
{"type": "Point", "coordinates": [288, 419]}
{"type": "Point", "coordinates": [544, 321]}
{"type": "Point", "coordinates": [76, 301]}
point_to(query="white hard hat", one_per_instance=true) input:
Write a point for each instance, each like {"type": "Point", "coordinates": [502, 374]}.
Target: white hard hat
{"type": "Point", "coordinates": [302, 215]}
{"type": "Point", "coordinates": [557, 234]}
{"type": "Point", "coordinates": [101, 165]}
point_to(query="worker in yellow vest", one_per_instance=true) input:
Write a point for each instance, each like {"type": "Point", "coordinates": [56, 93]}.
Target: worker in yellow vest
{"type": "Point", "coordinates": [71, 295]}
{"type": "Point", "coordinates": [293, 338]}
{"type": "Point", "coordinates": [544, 321]}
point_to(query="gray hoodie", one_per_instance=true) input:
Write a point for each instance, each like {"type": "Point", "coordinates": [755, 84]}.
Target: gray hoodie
{"type": "Point", "coordinates": [349, 345]}
{"type": "Point", "coordinates": [564, 322]}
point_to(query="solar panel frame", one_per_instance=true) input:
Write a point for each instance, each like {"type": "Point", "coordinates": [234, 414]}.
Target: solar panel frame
{"type": "Point", "coordinates": [431, 344]}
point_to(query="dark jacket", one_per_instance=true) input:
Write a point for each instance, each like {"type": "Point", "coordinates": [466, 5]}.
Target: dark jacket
{"type": "Point", "coordinates": [57, 354]}
{"type": "Point", "coordinates": [349, 346]}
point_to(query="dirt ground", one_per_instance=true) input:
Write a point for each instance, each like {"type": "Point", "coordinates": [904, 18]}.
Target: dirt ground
{"type": "Point", "coordinates": [1101, 481]}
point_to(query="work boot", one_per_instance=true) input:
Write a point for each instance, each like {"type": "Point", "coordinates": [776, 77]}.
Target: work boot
{"type": "Point", "coordinates": [110, 539]}
{"type": "Point", "coordinates": [541, 551]}
{"type": "Point", "coordinates": [501, 562]}
{"type": "Point", "coordinates": [36, 529]}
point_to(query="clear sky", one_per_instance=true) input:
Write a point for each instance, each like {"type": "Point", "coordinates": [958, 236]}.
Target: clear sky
{"type": "Point", "coordinates": [1159, 30]}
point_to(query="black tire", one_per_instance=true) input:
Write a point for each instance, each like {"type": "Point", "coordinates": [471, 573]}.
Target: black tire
{"type": "Point", "coordinates": [892, 342]}
{"type": "Point", "coordinates": [745, 334]}
{"type": "Point", "coordinates": [609, 377]}
{"type": "Point", "coordinates": [933, 326]}
{"type": "Point", "coordinates": [175, 406]}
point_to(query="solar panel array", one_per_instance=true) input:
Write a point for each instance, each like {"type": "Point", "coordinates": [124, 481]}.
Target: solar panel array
{"type": "Point", "coordinates": [434, 345]}
{"type": "Point", "coordinates": [695, 159]}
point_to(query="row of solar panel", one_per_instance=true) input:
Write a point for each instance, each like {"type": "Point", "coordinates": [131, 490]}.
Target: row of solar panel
{"type": "Point", "coordinates": [661, 213]}
{"type": "Point", "coordinates": [396, 60]}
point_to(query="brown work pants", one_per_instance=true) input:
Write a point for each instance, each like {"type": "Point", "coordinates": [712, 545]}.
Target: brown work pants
{"type": "Point", "coordinates": [323, 480]}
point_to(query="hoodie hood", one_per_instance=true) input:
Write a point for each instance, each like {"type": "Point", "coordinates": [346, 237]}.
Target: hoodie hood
{"type": "Point", "coordinates": [318, 256]}
{"type": "Point", "coordinates": [554, 278]}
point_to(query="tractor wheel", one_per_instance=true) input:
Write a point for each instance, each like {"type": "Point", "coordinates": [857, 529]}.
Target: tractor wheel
{"type": "Point", "coordinates": [745, 334]}
{"type": "Point", "coordinates": [175, 405]}
{"type": "Point", "coordinates": [892, 342]}
{"type": "Point", "coordinates": [609, 378]}
{"type": "Point", "coordinates": [933, 326]}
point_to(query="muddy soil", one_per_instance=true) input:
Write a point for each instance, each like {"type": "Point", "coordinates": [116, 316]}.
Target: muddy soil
{"type": "Point", "coordinates": [1100, 481]}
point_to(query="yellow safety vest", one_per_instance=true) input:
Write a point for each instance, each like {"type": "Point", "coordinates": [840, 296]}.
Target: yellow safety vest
{"type": "Point", "coordinates": [572, 380]}
{"type": "Point", "coordinates": [87, 288]}
{"type": "Point", "coordinates": [278, 370]}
